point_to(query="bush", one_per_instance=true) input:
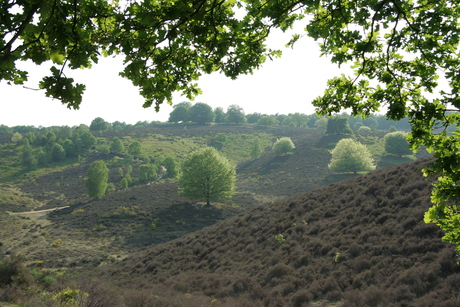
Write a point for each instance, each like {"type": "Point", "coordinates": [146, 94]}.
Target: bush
{"type": "Point", "coordinates": [283, 146]}
{"type": "Point", "coordinates": [396, 144]}
{"type": "Point", "coordinates": [70, 296]}
{"type": "Point", "coordinates": [350, 156]}
{"type": "Point", "coordinates": [12, 271]}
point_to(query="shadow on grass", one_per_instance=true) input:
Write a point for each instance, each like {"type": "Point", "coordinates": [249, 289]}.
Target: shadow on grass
{"type": "Point", "coordinates": [389, 160]}
{"type": "Point", "coordinates": [172, 223]}
{"type": "Point", "coordinates": [339, 177]}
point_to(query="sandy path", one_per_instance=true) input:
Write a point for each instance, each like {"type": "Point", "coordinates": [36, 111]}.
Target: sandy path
{"type": "Point", "coordinates": [40, 211]}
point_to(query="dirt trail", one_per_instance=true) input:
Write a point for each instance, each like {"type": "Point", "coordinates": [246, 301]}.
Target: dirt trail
{"type": "Point", "coordinates": [40, 211]}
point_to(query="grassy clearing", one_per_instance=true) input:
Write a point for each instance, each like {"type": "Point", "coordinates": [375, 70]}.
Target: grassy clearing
{"type": "Point", "coordinates": [238, 147]}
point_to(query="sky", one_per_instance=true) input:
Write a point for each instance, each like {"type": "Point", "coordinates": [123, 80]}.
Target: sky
{"type": "Point", "coordinates": [285, 85]}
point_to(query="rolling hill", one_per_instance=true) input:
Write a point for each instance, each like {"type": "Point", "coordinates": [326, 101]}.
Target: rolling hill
{"type": "Point", "coordinates": [359, 242]}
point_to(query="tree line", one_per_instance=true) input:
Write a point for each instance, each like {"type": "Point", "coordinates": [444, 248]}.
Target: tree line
{"type": "Point", "coordinates": [202, 113]}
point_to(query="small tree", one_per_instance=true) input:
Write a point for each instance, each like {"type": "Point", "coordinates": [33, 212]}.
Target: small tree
{"type": "Point", "coordinates": [87, 140]}
{"type": "Point", "coordinates": [117, 146]}
{"type": "Point", "coordinates": [69, 147]}
{"type": "Point", "coordinates": [31, 137]}
{"type": "Point", "coordinates": [298, 119]}
{"type": "Point", "coordinates": [50, 138]}
{"type": "Point", "coordinates": [103, 149]}
{"type": "Point", "coordinates": [219, 115]}
{"type": "Point", "coordinates": [180, 112]}
{"type": "Point", "coordinates": [350, 156]}
{"type": "Point", "coordinates": [235, 114]}
{"type": "Point", "coordinates": [99, 124]}
{"type": "Point", "coordinates": [124, 184]}
{"type": "Point", "coordinates": [338, 125]}
{"type": "Point", "coordinates": [57, 153]}
{"type": "Point", "coordinates": [172, 167]}
{"type": "Point", "coordinates": [283, 146]}
{"type": "Point", "coordinates": [27, 155]}
{"type": "Point", "coordinates": [201, 113]}
{"type": "Point", "coordinates": [207, 176]}
{"type": "Point", "coordinates": [218, 141]}
{"type": "Point", "coordinates": [267, 121]}
{"type": "Point", "coordinates": [321, 123]}
{"type": "Point", "coordinates": [253, 118]}
{"type": "Point", "coordinates": [396, 144]}
{"type": "Point", "coordinates": [147, 172]}
{"type": "Point", "coordinates": [135, 149]}
{"type": "Point", "coordinates": [16, 137]}
{"type": "Point", "coordinates": [256, 150]}
{"type": "Point", "coordinates": [129, 179]}
{"type": "Point", "coordinates": [42, 156]}
{"type": "Point", "coordinates": [96, 183]}
{"type": "Point", "coordinates": [364, 130]}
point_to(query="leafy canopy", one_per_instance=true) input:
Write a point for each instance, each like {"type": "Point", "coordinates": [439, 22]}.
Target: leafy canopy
{"type": "Point", "coordinates": [167, 45]}
{"type": "Point", "coordinates": [96, 183]}
{"type": "Point", "coordinates": [208, 176]}
{"type": "Point", "coordinates": [350, 156]}
{"type": "Point", "coordinates": [283, 145]}
{"type": "Point", "coordinates": [396, 144]}
{"type": "Point", "coordinates": [201, 113]}
{"type": "Point", "coordinates": [338, 125]}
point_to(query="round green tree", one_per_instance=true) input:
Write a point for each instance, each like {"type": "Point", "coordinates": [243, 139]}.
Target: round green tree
{"type": "Point", "coordinates": [57, 153]}
{"type": "Point", "coordinates": [117, 146]}
{"type": "Point", "coordinates": [338, 125]}
{"type": "Point", "coordinates": [88, 140]}
{"type": "Point", "coordinates": [172, 167]}
{"type": "Point", "coordinates": [235, 114]}
{"type": "Point", "coordinates": [99, 124]}
{"type": "Point", "coordinates": [283, 146]}
{"type": "Point", "coordinates": [180, 112]}
{"type": "Point", "coordinates": [135, 149]}
{"type": "Point", "coordinates": [96, 183]}
{"type": "Point", "coordinates": [147, 172]}
{"type": "Point", "coordinates": [396, 144]}
{"type": "Point", "coordinates": [207, 176]}
{"type": "Point", "coordinates": [201, 113]}
{"type": "Point", "coordinates": [220, 115]}
{"type": "Point", "coordinates": [350, 156]}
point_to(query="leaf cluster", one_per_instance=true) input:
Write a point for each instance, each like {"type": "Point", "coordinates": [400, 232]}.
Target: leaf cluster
{"type": "Point", "coordinates": [208, 176]}
{"type": "Point", "coordinates": [350, 156]}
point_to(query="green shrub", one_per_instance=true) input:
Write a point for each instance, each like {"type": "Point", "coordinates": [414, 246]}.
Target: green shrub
{"type": "Point", "coordinates": [43, 277]}
{"type": "Point", "coordinates": [283, 146]}
{"type": "Point", "coordinates": [70, 296]}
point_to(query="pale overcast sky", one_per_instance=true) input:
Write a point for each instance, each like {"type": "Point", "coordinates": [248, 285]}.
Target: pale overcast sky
{"type": "Point", "coordinates": [285, 85]}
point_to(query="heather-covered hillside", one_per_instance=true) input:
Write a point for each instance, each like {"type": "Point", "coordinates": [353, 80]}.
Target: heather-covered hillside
{"type": "Point", "coordinates": [356, 243]}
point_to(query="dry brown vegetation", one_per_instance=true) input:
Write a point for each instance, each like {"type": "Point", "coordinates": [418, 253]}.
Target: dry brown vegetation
{"type": "Point", "coordinates": [358, 242]}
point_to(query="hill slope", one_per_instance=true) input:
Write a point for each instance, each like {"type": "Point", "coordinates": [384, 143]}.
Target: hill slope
{"type": "Point", "coordinates": [359, 242]}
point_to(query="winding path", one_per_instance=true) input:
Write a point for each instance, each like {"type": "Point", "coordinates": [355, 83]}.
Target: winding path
{"type": "Point", "coordinates": [40, 211]}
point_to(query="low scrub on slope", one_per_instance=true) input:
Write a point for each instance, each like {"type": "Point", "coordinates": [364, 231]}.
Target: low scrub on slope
{"type": "Point", "coordinates": [358, 242]}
